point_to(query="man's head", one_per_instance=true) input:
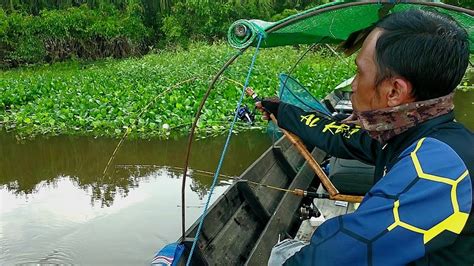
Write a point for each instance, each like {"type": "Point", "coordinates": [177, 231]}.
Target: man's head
{"type": "Point", "coordinates": [409, 56]}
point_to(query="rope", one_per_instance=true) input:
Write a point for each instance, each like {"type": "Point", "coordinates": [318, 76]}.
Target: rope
{"type": "Point", "coordinates": [224, 150]}
{"type": "Point", "coordinates": [191, 137]}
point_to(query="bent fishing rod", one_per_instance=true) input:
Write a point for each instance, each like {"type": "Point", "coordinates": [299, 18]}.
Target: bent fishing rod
{"type": "Point", "coordinates": [298, 143]}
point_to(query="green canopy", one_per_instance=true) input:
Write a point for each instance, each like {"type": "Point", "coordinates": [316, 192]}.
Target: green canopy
{"type": "Point", "coordinates": [333, 23]}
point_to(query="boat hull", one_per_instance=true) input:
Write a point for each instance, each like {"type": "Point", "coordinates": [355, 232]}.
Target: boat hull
{"type": "Point", "coordinates": [246, 221]}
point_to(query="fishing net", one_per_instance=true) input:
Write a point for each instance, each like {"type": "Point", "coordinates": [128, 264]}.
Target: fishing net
{"type": "Point", "coordinates": [293, 92]}
{"type": "Point", "coordinates": [333, 23]}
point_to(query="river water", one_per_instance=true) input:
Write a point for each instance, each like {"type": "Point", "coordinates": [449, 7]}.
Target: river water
{"type": "Point", "coordinates": [57, 209]}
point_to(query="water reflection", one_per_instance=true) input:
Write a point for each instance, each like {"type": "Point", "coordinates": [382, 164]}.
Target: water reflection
{"type": "Point", "coordinates": [57, 209]}
{"type": "Point", "coordinates": [57, 225]}
{"type": "Point", "coordinates": [25, 165]}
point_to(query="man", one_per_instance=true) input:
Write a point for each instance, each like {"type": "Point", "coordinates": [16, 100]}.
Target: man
{"type": "Point", "coordinates": [420, 209]}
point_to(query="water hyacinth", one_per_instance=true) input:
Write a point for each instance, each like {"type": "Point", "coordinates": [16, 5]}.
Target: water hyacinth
{"type": "Point", "coordinates": [106, 98]}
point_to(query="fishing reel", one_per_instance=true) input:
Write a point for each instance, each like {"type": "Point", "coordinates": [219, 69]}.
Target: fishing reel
{"type": "Point", "coordinates": [308, 210]}
{"type": "Point", "coordinates": [244, 114]}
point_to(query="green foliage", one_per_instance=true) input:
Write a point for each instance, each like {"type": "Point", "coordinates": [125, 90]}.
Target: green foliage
{"type": "Point", "coordinates": [467, 83]}
{"type": "Point", "coordinates": [105, 98]}
{"type": "Point", "coordinates": [204, 19]}
{"type": "Point", "coordinates": [77, 32]}
{"type": "Point", "coordinates": [17, 42]}
{"type": "Point", "coordinates": [462, 3]}
{"type": "Point", "coordinates": [29, 49]}
{"type": "Point", "coordinates": [51, 30]}
{"type": "Point", "coordinates": [174, 31]}
{"type": "Point", "coordinates": [194, 19]}
{"type": "Point", "coordinates": [286, 13]}
{"type": "Point", "coordinates": [3, 23]}
{"type": "Point", "coordinates": [36, 6]}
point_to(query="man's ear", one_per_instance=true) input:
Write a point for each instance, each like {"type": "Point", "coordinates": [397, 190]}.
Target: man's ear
{"type": "Point", "coordinates": [400, 92]}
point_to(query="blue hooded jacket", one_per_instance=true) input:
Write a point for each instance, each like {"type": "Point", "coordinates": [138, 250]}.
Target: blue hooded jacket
{"type": "Point", "coordinates": [420, 210]}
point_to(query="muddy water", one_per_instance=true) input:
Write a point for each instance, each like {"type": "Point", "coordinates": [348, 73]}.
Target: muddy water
{"type": "Point", "coordinates": [56, 207]}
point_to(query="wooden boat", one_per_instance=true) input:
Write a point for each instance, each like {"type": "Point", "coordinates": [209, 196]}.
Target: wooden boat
{"type": "Point", "coordinates": [246, 221]}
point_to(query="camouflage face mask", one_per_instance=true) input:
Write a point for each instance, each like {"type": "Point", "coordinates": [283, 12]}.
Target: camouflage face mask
{"type": "Point", "coordinates": [383, 124]}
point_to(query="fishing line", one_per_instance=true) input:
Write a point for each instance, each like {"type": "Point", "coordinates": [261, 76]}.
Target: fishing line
{"type": "Point", "coordinates": [260, 37]}
{"type": "Point", "coordinates": [129, 129]}
{"type": "Point", "coordinates": [274, 134]}
{"type": "Point", "coordinates": [173, 168]}
{"type": "Point", "coordinates": [191, 136]}
{"type": "Point", "coordinates": [223, 178]}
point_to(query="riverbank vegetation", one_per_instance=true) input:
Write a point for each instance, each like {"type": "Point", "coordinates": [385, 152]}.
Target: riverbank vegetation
{"type": "Point", "coordinates": [102, 68]}
{"type": "Point", "coordinates": [46, 31]}
{"type": "Point", "coordinates": [159, 91]}
{"type": "Point", "coordinates": [105, 98]}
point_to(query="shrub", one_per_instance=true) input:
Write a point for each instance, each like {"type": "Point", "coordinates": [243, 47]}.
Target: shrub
{"type": "Point", "coordinates": [77, 32]}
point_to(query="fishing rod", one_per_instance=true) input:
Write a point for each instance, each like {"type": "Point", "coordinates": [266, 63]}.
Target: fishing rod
{"type": "Point", "coordinates": [298, 143]}
{"type": "Point", "coordinates": [296, 191]}
{"type": "Point", "coordinates": [129, 129]}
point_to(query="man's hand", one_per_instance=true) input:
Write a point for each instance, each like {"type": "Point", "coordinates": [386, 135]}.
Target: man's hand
{"type": "Point", "coordinates": [268, 106]}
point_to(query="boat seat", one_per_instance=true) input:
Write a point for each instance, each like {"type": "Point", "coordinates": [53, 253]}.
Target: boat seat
{"type": "Point", "coordinates": [351, 176]}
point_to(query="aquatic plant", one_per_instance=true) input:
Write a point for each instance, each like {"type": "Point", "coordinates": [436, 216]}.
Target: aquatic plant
{"type": "Point", "coordinates": [105, 98]}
